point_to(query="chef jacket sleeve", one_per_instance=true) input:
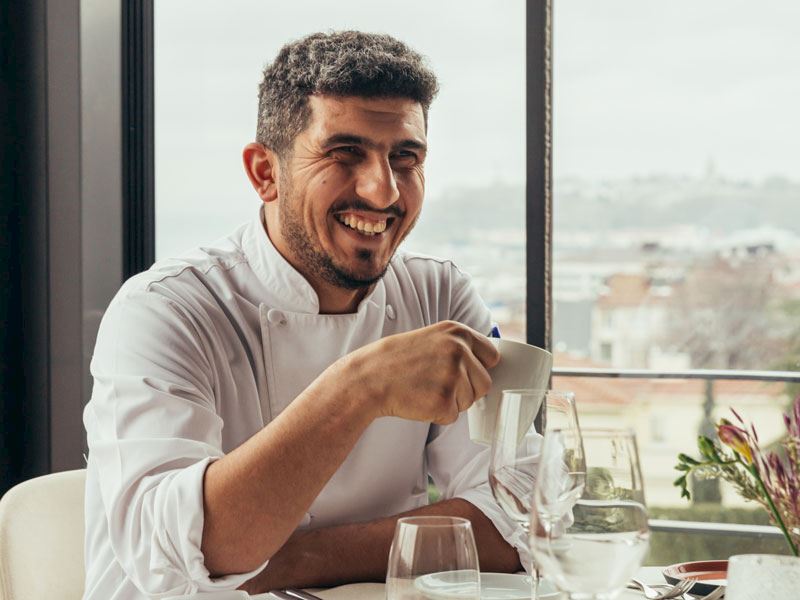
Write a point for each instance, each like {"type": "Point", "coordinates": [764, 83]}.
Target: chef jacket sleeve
{"type": "Point", "coordinates": [152, 430]}
{"type": "Point", "coordinates": [459, 468]}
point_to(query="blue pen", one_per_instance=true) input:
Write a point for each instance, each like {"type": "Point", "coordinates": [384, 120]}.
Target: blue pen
{"type": "Point", "coordinates": [495, 332]}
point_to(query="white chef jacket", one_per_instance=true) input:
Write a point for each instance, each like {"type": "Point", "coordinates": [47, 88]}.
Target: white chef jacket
{"type": "Point", "coordinates": [199, 353]}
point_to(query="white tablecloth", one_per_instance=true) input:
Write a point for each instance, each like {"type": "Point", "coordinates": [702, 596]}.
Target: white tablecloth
{"type": "Point", "coordinates": [376, 591]}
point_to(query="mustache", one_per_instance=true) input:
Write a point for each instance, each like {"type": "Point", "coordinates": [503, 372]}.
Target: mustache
{"type": "Point", "coordinates": [356, 204]}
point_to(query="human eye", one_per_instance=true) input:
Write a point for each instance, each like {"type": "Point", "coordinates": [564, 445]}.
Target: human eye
{"type": "Point", "coordinates": [405, 158]}
{"type": "Point", "coordinates": [345, 151]}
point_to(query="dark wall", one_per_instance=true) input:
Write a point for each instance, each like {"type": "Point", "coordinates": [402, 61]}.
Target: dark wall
{"type": "Point", "coordinates": [24, 414]}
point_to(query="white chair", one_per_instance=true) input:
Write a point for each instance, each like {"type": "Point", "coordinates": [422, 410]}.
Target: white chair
{"type": "Point", "coordinates": [41, 538]}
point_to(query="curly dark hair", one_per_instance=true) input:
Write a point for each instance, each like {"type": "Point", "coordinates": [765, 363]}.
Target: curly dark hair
{"type": "Point", "coordinates": [342, 63]}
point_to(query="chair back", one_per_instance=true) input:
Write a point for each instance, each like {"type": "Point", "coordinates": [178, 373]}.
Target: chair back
{"type": "Point", "coordinates": [41, 538]}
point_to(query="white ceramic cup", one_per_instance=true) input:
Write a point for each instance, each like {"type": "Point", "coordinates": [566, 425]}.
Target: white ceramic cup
{"type": "Point", "coordinates": [521, 366]}
{"type": "Point", "coordinates": [220, 595]}
{"type": "Point", "coordinates": [762, 577]}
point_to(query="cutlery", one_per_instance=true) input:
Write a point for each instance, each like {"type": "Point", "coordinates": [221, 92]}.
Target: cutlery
{"type": "Point", "coordinates": [715, 595]}
{"type": "Point", "coordinates": [671, 592]}
{"type": "Point", "coordinates": [297, 594]}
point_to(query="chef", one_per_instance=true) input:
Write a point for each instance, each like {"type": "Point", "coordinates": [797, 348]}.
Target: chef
{"type": "Point", "coordinates": [266, 407]}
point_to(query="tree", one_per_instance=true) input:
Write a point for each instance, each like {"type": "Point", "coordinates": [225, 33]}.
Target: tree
{"type": "Point", "coordinates": [724, 314]}
{"type": "Point", "coordinates": [790, 311]}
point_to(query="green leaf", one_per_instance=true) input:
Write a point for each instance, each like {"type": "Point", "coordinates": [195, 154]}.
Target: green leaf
{"type": "Point", "coordinates": [687, 459]}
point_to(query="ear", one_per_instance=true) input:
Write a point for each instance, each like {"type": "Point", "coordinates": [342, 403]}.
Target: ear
{"type": "Point", "coordinates": [261, 166]}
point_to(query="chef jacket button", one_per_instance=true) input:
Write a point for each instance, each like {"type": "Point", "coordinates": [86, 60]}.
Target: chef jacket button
{"type": "Point", "coordinates": [390, 311]}
{"type": "Point", "coordinates": [275, 316]}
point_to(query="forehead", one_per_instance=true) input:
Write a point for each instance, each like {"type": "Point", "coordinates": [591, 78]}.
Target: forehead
{"type": "Point", "coordinates": [380, 119]}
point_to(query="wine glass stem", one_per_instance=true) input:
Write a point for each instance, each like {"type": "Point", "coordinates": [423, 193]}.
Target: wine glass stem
{"type": "Point", "coordinates": [534, 570]}
{"type": "Point", "coordinates": [534, 580]}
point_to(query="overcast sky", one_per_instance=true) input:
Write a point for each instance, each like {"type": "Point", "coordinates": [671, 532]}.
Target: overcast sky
{"type": "Point", "coordinates": [644, 86]}
{"type": "Point", "coordinates": [640, 87]}
{"type": "Point", "coordinates": [210, 55]}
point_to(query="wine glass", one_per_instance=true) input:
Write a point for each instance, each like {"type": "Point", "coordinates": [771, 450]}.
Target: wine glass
{"type": "Point", "coordinates": [433, 557]}
{"type": "Point", "coordinates": [589, 530]}
{"type": "Point", "coordinates": [516, 450]}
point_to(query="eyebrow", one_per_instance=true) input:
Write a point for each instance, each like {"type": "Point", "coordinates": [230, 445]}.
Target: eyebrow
{"type": "Point", "coordinates": [357, 140]}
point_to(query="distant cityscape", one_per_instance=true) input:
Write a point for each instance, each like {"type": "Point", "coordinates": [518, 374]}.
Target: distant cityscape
{"type": "Point", "coordinates": [654, 273]}
{"type": "Point", "coordinates": [660, 272]}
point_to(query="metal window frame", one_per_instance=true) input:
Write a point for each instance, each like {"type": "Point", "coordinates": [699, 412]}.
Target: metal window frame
{"type": "Point", "coordinates": [62, 210]}
{"type": "Point", "coordinates": [138, 136]}
{"type": "Point", "coordinates": [539, 222]}
{"type": "Point", "coordinates": [139, 197]}
{"type": "Point", "coordinates": [703, 374]}
{"type": "Point", "coordinates": [538, 171]}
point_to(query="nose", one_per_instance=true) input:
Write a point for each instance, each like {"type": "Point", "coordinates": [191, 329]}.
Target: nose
{"type": "Point", "coordinates": [376, 183]}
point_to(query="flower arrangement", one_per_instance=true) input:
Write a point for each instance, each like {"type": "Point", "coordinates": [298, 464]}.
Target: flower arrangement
{"type": "Point", "coordinates": [770, 478]}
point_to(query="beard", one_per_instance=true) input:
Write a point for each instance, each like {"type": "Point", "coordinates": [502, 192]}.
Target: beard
{"type": "Point", "coordinates": [314, 257]}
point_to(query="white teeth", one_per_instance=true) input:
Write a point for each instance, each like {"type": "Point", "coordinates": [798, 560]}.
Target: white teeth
{"type": "Point", "coordinates": [365, 227]}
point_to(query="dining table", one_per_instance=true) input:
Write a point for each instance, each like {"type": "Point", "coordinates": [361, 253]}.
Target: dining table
{"type": "Point", "coordinates": [377, 591]}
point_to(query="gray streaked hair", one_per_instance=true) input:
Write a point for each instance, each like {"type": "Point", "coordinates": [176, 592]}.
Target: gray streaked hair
{"type": "Point", "coordinates": [343, 63]}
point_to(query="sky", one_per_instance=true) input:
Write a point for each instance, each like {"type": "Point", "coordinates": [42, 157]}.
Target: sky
{"type": "Point", "coordinates": [644, 86]}
{"type": "Point", "coordinates": [209, 57]}
{"type": "Point", "coordinates": [640, 87]}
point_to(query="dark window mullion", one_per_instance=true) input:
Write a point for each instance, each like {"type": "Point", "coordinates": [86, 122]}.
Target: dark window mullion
{"type": "Point", "coordinates": [138, 181]}
{"type": "Point", "coordinates": [538, 190]}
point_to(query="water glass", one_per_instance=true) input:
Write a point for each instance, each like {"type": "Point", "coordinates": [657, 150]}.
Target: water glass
{"type": "Point", "coordinates": [589, 530]}
{"type": "Point", "coordinates": [517, 447]}
{"type": "Point", "coordinates": [757, 576]}
{"type": "Point", "coordinates": [433, 557]}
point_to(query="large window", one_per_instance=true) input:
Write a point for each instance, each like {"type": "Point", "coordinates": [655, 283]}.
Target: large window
{"type": "Point", "coordinates": [208, 62]}
{"type": "Point", "coordinates": [676, 193]}
{"type": "Point", "coordinates": [677, 226]}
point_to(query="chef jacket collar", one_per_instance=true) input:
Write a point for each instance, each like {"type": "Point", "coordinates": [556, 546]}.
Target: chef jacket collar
{"type": "Point", "coordinates": [288, 290]}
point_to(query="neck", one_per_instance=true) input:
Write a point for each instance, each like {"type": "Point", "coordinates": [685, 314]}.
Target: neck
{"type": "Point", "coordinates": [333, 300]}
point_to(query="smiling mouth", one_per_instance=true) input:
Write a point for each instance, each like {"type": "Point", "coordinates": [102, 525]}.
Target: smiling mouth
{"type": "Point", "coordinates": [367, 227]}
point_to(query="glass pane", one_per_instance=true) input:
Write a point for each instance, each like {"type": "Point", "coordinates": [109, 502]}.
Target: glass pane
{"type": "Point", "coordinates": [208, 62]}
{"type": "Point", "coordinates": [668, 548]}
{"type": "Point", "coordinates": [668, 416]}
{"type": "Point", "coordinates": [677, 184]}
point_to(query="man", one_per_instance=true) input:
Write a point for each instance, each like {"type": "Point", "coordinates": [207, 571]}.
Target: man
{"type": "Point", "coordinates": [265, 403]}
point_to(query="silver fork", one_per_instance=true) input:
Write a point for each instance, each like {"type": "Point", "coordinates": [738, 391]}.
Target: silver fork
{"type": "Point", "coordinates": [651, 593]}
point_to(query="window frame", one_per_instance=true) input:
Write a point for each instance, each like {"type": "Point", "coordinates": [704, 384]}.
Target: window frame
{"type": "Point", "coordinates": [140, 202]}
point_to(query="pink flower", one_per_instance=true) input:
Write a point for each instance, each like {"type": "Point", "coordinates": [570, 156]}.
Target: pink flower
{"type": "Point", "coordinates": [735, 438]}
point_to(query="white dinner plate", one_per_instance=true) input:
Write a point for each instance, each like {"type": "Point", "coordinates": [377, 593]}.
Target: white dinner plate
{"type": "Point", "coordinates": [494, 586]}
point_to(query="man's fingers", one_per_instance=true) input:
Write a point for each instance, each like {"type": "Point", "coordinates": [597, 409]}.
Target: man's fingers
{"type": "Point", "coordinates": [478, 381]}
{"type": "Point", "coordinates": [483, 349]}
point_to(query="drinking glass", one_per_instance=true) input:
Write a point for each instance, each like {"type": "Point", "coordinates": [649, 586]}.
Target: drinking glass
{"type": "Point", "coordinates": [516, 450]}
{"type": "Point", "coordinates": [589, 531]}
{"type": "Point", "coordinates": [433, 557]}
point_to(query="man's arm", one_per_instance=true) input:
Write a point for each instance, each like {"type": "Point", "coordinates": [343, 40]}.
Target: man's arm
{"type": "Point", "coordinates": [255, 496]}
{"type": "Point", "coordinates": [315, 558]}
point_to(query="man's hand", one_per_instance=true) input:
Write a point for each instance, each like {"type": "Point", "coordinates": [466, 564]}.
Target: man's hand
{"type": "Point", "coordinates": [430, 374]}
